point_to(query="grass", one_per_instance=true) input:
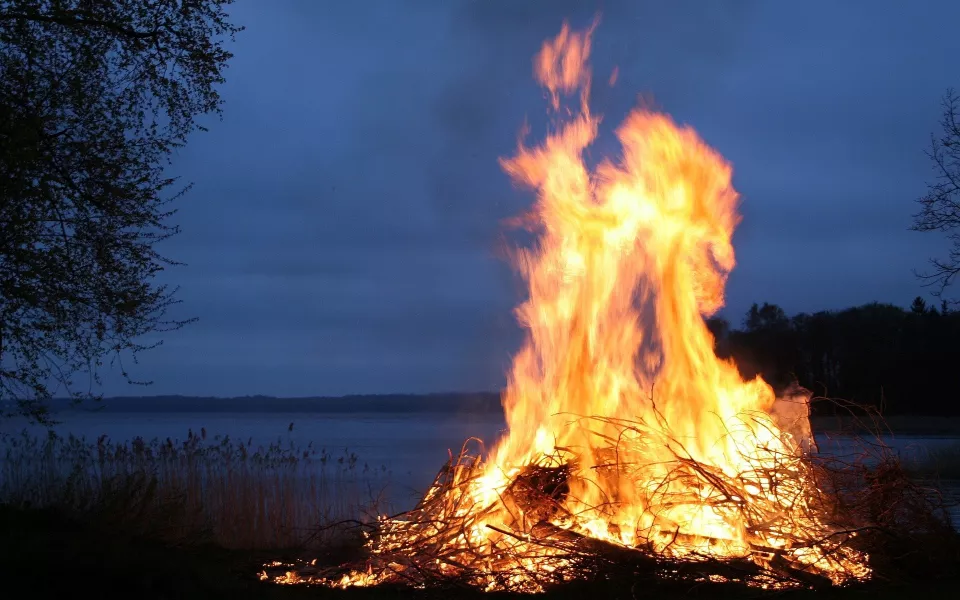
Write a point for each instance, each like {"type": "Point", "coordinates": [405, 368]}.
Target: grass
{"type": "Point", "coordinates": [171, 519]}
{"type": "Point", "coordinates": [217, 490]}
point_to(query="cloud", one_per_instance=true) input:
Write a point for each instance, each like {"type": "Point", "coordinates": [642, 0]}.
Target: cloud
{"type": "Point", "coordinates": [344, 229]}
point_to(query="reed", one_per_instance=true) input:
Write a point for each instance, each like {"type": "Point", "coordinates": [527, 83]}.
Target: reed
{"type": "Point", "coordinates": [228, 492]}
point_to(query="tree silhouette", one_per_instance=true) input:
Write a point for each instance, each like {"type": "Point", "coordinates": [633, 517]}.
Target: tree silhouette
{"type": "Point", "coordinates": [94, 97]}
{"type": "Point", "coordinates": [902, 361]}
{"type": "Point", "coordinates": [765, 345]}
{"type": "Point", "coordinates": [919, 306]}
{"type": "Point", "coordinates": [940, 206]}
{"type": "Point", "coordinates": [768, 317]}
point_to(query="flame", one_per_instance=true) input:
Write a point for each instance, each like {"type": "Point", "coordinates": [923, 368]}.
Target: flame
{"type": "Point", "coordinates": [652, 440]}
{"type": "Point", "coordinates": [630, 258]}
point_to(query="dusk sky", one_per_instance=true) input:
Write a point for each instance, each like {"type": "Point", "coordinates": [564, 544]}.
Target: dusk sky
{"type": "Point", "coordinates": [342, 235]}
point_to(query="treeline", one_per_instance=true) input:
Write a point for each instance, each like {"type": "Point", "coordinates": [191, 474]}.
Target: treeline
{"type": "Point", "coordinates": [901, 361]}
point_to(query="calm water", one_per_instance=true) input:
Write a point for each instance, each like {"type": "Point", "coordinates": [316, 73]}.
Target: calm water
{"type": "Point", "coordinates": [411, 447]}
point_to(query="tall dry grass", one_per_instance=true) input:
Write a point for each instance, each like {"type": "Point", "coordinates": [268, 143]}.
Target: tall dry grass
{"type": "Point", "coordinates": [228, 492]}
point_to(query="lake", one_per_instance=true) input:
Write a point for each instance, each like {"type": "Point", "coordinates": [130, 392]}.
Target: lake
{"type": "Point", "coordinates": [412, 447]}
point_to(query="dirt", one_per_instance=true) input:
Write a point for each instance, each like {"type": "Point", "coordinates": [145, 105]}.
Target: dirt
{"type": "Point", "coordinates": [45, 555]}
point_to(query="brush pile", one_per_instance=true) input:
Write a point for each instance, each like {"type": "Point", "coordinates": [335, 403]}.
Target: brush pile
{"type": "Point", "coordinates": [866, 518]}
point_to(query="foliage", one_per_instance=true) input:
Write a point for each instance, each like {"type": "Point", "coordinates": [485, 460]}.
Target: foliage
{"type": "Point", "coordinates": [95, 95]}
{"type": "Point", "coordinates": [231, 493]}
{"type": "Point", "coordinates": [940, 206]}
{"type": "Point", "coordinates": [879, 355]}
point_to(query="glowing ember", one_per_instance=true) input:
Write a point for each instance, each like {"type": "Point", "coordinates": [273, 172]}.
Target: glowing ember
{"type": "Point", "coordinates": [628, 440]}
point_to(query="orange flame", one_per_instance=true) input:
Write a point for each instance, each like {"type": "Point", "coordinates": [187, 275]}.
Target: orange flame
{"type": "Point", "coordinates": [630, 259]}
{"type": "Point", "coordinates": [665, 446]}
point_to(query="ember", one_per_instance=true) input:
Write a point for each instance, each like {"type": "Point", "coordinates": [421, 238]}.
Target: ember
{"type": "Point", "coordinates": [630, 445]}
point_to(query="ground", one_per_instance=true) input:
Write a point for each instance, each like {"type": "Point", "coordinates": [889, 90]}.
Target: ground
{"type": "Point", "coordinates": [44, 555]}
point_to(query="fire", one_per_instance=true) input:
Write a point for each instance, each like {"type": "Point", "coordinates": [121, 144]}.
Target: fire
{"type": "Point", "coordinates": [625, 431]}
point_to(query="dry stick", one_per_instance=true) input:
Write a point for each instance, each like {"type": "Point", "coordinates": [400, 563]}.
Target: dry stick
{"type": "Point", "coordinates": [451, 493]}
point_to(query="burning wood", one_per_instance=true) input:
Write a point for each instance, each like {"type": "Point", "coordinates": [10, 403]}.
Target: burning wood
{"type": "Point", "coordinates": [537, 494]}
{"type": "Point", "coordinates": [446, 540]}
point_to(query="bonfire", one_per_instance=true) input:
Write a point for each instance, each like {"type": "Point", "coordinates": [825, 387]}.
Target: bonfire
{"type": "Point", "coordinates": [630, 444]}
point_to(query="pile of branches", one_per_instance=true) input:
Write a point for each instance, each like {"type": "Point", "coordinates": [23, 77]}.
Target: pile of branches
{"type": "Point", "coordinates": [905, 524]}
{"type": "Point", "coordinates": [860, 516]}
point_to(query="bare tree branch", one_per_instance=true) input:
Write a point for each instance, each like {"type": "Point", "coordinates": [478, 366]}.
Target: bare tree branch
{"type": "Point", "coordinates": [76, 19]}
{"type": "Point", "coordinates": [940, 206]}
{"type": "Point", "coordinates": [94, 96]}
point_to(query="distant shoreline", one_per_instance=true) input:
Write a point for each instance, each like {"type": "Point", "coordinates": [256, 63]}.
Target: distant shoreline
{"type": "Point", "coordinates": [450, 403]}
{"type": "Point", "coordinates": [479, 403]}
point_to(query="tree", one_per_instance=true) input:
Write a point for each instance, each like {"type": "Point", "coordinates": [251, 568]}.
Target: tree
{"type": "Point", "coordinates": [768, 317]}
{"type": "Point", "coordinates": [719, 328]}
{"type": "Point", "coordinates": [95, 95]}
{"type": "Point", "coordinates": [765, 346]}
{"type": "Point", "coordinates": [899, 360]}
{"type": "Point", "coordinates": [940, 206]}
{"type": "Point", "coordinates": [919, 306]}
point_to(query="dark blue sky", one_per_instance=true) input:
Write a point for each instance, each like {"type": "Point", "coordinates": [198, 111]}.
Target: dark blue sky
{"type": "Point", "coordinates": [342, 233]}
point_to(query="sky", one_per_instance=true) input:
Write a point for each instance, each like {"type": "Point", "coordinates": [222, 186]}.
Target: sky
{"type": "Point", "coordinates": [344, 230]}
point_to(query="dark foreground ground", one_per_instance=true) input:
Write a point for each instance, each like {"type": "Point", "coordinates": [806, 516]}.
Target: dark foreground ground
{"type": "Point", "coordinates": [43, 555]}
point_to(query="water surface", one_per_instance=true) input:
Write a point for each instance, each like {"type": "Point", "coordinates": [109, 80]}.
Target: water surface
{"type": "Point", "coordinates": [412, 447]}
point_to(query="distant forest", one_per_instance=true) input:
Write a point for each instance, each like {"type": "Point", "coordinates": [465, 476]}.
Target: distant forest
{"type": "Point", "coordinates": [901, 361]}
